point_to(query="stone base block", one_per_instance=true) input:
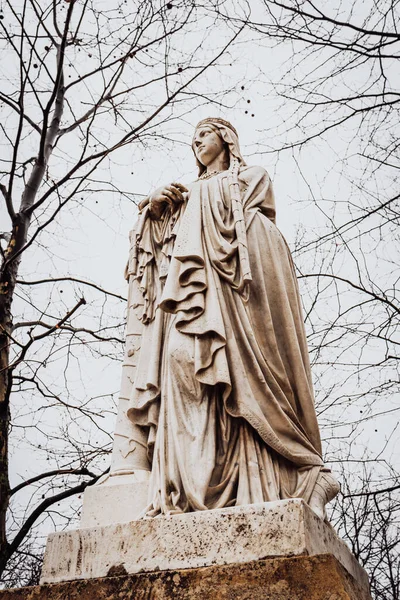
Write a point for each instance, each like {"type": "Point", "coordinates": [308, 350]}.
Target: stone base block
{"type": "Point", "coordinates": [117, 499]}
{"type": "Point", "coordinates": [236, 535]}
{"type": "Point", "coordinates": [319, 577]}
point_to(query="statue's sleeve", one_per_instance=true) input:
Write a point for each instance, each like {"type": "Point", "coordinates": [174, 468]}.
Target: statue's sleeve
{"type": "Point", "coordinates": [151, 247]}
{"type": "Point", "coordinates": [257, 192]}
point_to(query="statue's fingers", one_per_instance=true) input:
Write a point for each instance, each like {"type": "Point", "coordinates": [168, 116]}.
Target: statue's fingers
{"type": "Point", "coordinates": [175, 195]}
{"type": "Point", "coordinates": [176, 191]}
{"type": "Point", "coordinates": [169, 197]}
{"type": "Point", "coordinates": [180, 186]}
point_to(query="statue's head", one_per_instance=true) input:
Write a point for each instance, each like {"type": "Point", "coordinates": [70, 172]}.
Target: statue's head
{"type": "Point", "coordinates": [213, 136]}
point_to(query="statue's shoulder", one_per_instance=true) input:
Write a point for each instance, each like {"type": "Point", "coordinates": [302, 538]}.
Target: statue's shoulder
{"type": "Point", "coordinates": [251, 172]}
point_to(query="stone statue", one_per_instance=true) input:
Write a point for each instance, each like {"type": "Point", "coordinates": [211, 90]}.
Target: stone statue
{"type": "Point", "coordinates": [222, 396]}
{"type": "Point", "coordinates": [216, 410]}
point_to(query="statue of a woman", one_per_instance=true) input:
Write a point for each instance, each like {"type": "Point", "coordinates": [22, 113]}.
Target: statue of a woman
{"type": "Point", "coordinates": [223, 385]}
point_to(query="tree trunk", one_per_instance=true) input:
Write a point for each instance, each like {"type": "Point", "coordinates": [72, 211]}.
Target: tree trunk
{"type": "Point", "coordinates": [5, 385]}
{"type": "Point", "coordinates": [8, 277]}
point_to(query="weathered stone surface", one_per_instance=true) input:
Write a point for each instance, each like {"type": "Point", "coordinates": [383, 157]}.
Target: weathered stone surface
{"type": "Point", "coordinates": [299, 578]}
{"type": "Point", "coordinates": [218, 537]}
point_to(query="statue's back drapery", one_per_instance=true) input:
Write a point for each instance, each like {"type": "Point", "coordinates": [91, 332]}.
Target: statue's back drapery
{"type": "Point", "coordinates": [223, 384]}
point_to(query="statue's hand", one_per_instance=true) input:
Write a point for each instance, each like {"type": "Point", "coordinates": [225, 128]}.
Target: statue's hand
{"type": "Point", "coordinates": [170, 195]}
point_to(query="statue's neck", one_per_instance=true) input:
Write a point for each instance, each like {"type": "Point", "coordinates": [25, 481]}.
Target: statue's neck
{"type": "Point", "coordinates": [220, 163]}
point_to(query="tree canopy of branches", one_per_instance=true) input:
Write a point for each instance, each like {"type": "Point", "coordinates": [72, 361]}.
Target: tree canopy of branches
{"type": "Point", "coordinates": [80, 83]}
{"type": "Point", "coordinates": [340, 105]}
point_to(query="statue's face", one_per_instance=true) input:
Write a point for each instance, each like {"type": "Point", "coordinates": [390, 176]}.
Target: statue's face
{"type": "Point", "coordinates": [207, 145]}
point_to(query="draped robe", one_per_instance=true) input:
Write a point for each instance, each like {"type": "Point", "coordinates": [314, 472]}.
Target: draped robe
{"type": "Point", "coordinates": [223, 382]}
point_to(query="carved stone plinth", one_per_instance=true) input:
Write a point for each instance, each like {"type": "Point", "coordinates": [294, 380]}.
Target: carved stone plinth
{"type": "Point", "coordinates": [228, 536]}
{"type": "Point", "coordinates": [319, 577]}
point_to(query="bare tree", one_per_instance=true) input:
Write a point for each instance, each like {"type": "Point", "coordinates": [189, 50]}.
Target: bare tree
{"type": "Point", "coordinates": [368, 518]}
{"type": "Point", "coordinates": [81, 81]}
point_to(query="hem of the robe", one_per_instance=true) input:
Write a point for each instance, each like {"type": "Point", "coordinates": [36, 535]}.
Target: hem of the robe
{"type": "Point", "coordinates": [303, 460]}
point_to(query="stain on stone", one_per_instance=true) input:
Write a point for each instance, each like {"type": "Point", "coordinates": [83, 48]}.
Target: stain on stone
{"type": "Point", "coordinates": [242, 528]}
{"type": "Point", "coordinates": [79, 556]}
{"type": "Point", "coordinates": [117, 571]}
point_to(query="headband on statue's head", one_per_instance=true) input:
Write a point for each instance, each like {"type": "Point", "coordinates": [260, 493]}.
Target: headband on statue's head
{"type": "Point", "coordinates": [228, 134]}
{"type": "Point", "coordinates": [217, 120]}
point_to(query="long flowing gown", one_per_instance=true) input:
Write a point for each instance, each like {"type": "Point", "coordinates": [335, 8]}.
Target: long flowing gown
{"type": "Point", "coordinates": [223, 383]}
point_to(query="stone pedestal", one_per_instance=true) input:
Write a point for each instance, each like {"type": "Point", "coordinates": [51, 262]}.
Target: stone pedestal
{"type": "Point", "coordinates": [240, 535]}
{"type": "Point", "coordinates": [319, 577]}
